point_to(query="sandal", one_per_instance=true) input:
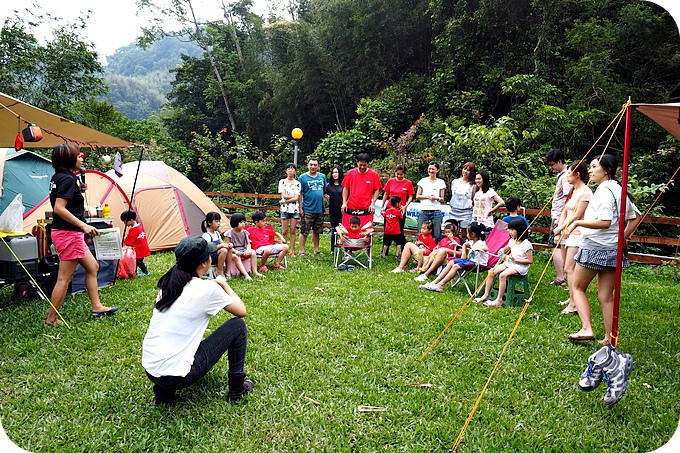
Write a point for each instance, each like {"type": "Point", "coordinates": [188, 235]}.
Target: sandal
{"type": "Point", "coordinates": [557, 282]}
{"type": "Point", "coordinates": [58, 322]}
{"type": "Point", "coordinates": [278, 267]}
{"type": "Point", "coordinates": [568, 311]}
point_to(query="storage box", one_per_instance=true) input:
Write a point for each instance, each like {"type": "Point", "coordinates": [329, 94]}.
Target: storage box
{"type": "Point", "coordinates": [25, 247]}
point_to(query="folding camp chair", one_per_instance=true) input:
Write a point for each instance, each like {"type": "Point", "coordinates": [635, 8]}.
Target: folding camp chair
{"type": "Point", "coordinates": [353, 250]}
{"type": "Point", "coordinates": [496, 240]}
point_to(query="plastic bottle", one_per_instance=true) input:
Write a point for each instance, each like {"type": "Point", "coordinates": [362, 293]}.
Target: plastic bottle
{"type": "Point", "coordinates": [99, 211]}
{"type": "Point", "coordinates": [106, 212]}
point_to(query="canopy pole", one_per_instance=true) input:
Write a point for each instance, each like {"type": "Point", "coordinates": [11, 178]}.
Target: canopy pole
{"type": "Point", "coordinates": [622, 224]}
{"type": "Point", "coordinates": [132, 199]}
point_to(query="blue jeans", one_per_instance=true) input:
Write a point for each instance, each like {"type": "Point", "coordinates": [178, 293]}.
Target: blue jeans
{"type": "Point", "coordinates": [436, 217]}
{"type": "Point", "coordinates": [230, 337]}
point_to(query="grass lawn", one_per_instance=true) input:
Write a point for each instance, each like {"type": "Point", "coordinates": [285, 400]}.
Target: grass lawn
{"type": "Point", "coordinates": [324, 342]}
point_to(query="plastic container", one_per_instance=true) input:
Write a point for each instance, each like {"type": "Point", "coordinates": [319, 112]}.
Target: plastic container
{"type": "Point", "coordinates": [106, 211]}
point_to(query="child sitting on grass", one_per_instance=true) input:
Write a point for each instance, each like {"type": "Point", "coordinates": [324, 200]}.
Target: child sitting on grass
{"type": "Point", "coordinates": [419, 249]}
{"type": "Point", "coordinates": [445, 249]}
{"type": "Point", "coordinates": [136, 238]}
{"type": "Point", "coordinates": [393, 231]}
{"type": "Point", "coordinates": [515, 258]}
{"type": "Point", "coordinates": [263, 237]}
{"type": "Point", "coordinates": [356, 236]}
{"type": "Point", "coordinates": [474, 248]}
{"type": "Point", "coordinates": [241, 250]}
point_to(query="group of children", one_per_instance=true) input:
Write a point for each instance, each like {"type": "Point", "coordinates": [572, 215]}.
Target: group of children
{"type": "Point", "coordinates": [449, 256]}
{"type": "Point", "coordinates": [242, 243]}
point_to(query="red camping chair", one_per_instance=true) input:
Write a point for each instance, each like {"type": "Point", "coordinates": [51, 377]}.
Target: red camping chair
{"type": "Point", "coordinates": [352, 252]}
{"type": "Point", "coordinates": [497, 239]}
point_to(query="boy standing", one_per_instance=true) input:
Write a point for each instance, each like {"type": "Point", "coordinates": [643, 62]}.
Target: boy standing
{"type": "Point", "coordinates": [313, 187]}
{"type": "Point", "coordinates": [512, 204]}
{"type": "Point", "coordinates": [555, 160]}
{"type": "Point", "coordinates": [136, 238]}
{"type": "Point", "coordinates": [262, 237]}
{"type": "Point", "coordinates": [393, 231]}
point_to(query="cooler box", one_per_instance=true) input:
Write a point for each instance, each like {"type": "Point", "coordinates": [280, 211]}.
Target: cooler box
{"type": "Point", "coordinates": [25, 247]}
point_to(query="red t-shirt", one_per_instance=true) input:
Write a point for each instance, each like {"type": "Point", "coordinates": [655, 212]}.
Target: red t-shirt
{"type": "Point", "coordinates": [392, 218]}
{"type": "Point", "coordinates": [428, 241]}
{"type": "Point", "coordinates": [361, 188]}
{"type": "Point", "coordinates": [261, 236]}
{"type": "Point", "coordinates": [402, 188]}
{"type": "Point", "coordinates": [448, 243]}
{"type": "Point", "coordinates": [136, 238]}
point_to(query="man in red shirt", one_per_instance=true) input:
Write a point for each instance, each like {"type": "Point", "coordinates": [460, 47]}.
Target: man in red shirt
{"type": "Point", "coordinates": [361, 186]}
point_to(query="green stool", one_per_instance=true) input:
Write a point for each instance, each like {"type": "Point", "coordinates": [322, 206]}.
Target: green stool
{"type": "Point", "coordinates": [515, 293]}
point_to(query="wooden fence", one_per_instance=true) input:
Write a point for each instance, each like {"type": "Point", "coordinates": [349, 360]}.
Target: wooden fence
{"type": "Point", "coordinates": [265, 202]}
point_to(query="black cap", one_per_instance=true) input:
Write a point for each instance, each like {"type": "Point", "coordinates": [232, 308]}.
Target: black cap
{"type": "Point", "coordinates": [192, 251]}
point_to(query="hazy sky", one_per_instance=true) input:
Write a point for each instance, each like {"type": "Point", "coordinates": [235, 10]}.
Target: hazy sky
{"type": "Point", "coordinates": [112, 23]}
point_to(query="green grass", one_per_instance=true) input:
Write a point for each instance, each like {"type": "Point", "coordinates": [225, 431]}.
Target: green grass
{"type": "Point", "coordinates": [345, 339]}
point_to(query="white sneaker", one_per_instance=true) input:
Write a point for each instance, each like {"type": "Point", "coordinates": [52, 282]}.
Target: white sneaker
{"type": "Point", "coordinates": [421, 278]}
{"type": "Point", "coordinates": [616, 374]}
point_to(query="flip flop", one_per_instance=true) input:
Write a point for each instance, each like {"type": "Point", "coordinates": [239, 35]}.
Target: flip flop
{"type": "Point", "coordinates": [577, 337]}
{"type": "Point", "coordinates": [568, 311]}
{"type": "Point", "coordinates": [99, 314]}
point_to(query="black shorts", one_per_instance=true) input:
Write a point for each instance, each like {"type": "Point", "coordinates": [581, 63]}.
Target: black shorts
{"type": "Point", "coordinates": [398, 239]}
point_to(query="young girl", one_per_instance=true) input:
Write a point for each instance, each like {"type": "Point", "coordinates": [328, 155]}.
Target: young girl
{"type": "Point", "coordinates": [445, 248]}
{"type": "Point", "coordinates": [474, 248]}
{"type": "Point", "coordinates": [515, 259]}
{"type": "Point", "coordinates": [290, 189]}
{"type": "Point", "coordinates": [419, 249]}
{"type": "Point", "coordinates": [403, 188]}
{"type": "Point", "coordinates": [68, 232]}
{"type": "Point", "coordinates": [334, 196]}
{"type": "Point", "coordinates": [241, 250]}
{"type": "Point", "coordinates": [483, 197]}
{"type": "Point", "coordinates": [430, 195]}
{"type": "Point", "coordinates": [597, 254]}
{"type": "Point", "coordinates": [222, 255]}
{"type": "Point", "coordinates": [574, 208]}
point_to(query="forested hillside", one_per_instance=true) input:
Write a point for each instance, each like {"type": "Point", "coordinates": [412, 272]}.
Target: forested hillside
{"type": "Point", "coordinates": [496, 82]}
{"type": "Point", "coordinates": [138, 79]}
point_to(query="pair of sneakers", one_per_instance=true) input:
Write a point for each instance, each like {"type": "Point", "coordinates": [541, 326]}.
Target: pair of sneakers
{"type": "Point", "coordinates": [612, 366]}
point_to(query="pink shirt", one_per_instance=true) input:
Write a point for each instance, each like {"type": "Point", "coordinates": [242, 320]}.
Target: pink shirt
{"type": "Point", "coordinates": [582, 196]}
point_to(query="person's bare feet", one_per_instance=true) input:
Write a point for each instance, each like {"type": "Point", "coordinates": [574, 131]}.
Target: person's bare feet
{"type": "Point", "coordinates": [480, 299]}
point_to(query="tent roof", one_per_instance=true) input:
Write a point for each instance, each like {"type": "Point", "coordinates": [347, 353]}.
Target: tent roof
{"type": "Point", "coordinates": [665, 115]}
{"type": "Point", "coordinates": [56, 130]}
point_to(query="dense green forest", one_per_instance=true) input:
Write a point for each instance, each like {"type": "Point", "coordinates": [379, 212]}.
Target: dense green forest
{"type": "Point", "coordinates": [494, 82]}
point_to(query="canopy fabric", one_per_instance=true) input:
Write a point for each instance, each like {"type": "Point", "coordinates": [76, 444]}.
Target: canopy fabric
{"type": "Point", "coordinates": [56, 130]}
{"type": "Point", "coordinates": [665, 115]}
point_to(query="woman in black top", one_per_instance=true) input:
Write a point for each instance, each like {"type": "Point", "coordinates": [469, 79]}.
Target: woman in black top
{"type": "Point", "coordinates": [334, 192]}
{"type": "Point", "coordinates": [68, 232]}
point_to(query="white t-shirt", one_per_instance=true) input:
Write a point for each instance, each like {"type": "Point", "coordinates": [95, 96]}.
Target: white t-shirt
{"type": "Point", "coordinates": [289, 188]}
{"type": "Point", "coordinates": [605, 205]}
{"type": "Point", "coordinates": [483, 204]}
{"type": "Point", "coordinates": [478, 254]}
{"type": "Point", "coordinates": [518, 251]}
{"type": "Point", "coordinates": [562, 189]}
{"type": "Point", "coordinates": [174, 334]}
{"type": "Point", "coordinates": [431, 188]}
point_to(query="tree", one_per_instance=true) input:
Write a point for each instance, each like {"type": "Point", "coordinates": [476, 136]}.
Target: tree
{"type": "Point", "coordinates": [53, 76]}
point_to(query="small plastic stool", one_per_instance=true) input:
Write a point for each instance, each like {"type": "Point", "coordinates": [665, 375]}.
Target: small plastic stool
{"type": "Point", "coordinates": [516, 291]}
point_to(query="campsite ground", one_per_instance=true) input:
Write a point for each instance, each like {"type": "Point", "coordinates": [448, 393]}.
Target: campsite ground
{"type": "Point", "coordinates": [324, 342]}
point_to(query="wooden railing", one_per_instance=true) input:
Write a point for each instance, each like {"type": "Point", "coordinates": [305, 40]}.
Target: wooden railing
{"type": "Point", "coordinates": [231, 200]}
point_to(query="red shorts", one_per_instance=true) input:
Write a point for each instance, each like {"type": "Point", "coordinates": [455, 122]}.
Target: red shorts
{"type": "Point", "coordinates": [70, 244]}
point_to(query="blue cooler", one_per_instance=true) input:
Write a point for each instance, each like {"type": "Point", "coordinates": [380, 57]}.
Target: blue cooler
{"type": "Point", "coordinates": [25, 247]}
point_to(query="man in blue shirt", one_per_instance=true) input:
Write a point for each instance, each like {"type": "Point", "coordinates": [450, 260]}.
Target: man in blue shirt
{"type": "Point", "coordinates": [312, 205]}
